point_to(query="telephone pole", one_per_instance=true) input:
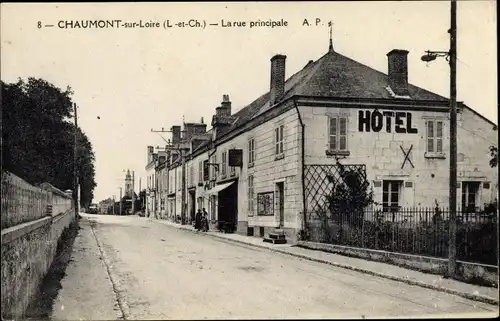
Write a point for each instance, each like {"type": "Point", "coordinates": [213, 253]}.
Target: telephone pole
{"type": "Point", "coordinates": [133, 192]}
{"type": "Point", "coordinates": [451, 56]}
{"type": "Point", "coordinates": [75, 167]}
{"type": "Point", "coordinates": [452, 250]}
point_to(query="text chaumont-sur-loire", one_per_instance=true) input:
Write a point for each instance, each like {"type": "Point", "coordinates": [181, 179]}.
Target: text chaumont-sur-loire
{"type": "Point", "coordinates": [166, 24]}
{"type": "Point", "coordinates": [106, 24]}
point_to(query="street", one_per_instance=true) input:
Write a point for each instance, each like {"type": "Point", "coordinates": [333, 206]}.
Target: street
{"type": "Point", "coordinates": [151, 270]}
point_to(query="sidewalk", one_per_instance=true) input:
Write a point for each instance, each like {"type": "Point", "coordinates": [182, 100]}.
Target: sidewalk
{"type": "Point", "coordinates": [474, 292]}
{"type": "Point", "coordinates": [93, 298]}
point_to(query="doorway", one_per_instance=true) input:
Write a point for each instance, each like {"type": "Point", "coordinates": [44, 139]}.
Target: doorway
{"type": "Point", "coordinates": [280, 203]}
{"type": "Point", "coordinates": [227, 208]}
{"type": "Point", "coordinates": [192, 207]}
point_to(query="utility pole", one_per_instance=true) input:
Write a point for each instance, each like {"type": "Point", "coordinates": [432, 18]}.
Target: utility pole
{"type": "Point", "coordinates": [140, 191]}
{"type": "Point", "coordinates": [75, 167]}
{"type": "Point", "coordinates": [183, 204]}
{"type": "Point", "coordinates": [120, 213]}
{"type": "Point", "coordinates": [451, 56]}
{"type": "Point", "coordinates": [452, 250]}
{"type": "Point", "coordinates": [133, 192]}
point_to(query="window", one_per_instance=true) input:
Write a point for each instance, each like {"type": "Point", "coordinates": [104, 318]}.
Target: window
{"type": "Point", "coordinates": [251, 152]}
{"type": "Point", "coordinates": [250, 195]}
{"type": "Point", "coordinates": [470, 196]}
{"type": "Point", "coordinates": [206, 170]}
{"type": "Point", "coordinates": [434, 136]}
{"type": "Point", "coordinates": [278, 134]}
{"type": "Point", "coordinates": [224, 164]}
{"type": "Point", "coordinates": [337, 134]}
{"type": "Point", "coordinates": [391, 195]}
{"type": "Point", "coordinates": [214, 168]}
{"type": "Point", "coordinates": [191, 175]}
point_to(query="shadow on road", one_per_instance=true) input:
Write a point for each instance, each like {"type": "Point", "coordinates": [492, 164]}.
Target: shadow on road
{"type": "Point", "coordinates": [40, 307]}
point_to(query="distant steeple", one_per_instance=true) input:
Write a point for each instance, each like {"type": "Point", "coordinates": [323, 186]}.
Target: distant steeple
{"type": "Point", "coordinates": [330, 47]}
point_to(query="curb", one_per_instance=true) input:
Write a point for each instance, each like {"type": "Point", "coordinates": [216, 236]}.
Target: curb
{"type": "Point", "coordinates": [117, 287]}
{"type": "Point", "coordinates": [474, 297]}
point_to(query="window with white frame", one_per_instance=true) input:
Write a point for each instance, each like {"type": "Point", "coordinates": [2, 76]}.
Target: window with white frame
{"type": "Point", "coordinates": [224, 164]}
{"type": "Point", "coordinates": [434, 136]}
{"type": "Point", "coordinates": [337, 133]}
{"type": "Point", "coordinates": [470, 196]}
{"type": "Point", "coordinates": [251, 151]}
{"type": "Point", "coordinates": [391, 195]}
{"type": "Point", "coordinates": [278, 139]}
{"type": "Point", "coordinates": [250, 195]}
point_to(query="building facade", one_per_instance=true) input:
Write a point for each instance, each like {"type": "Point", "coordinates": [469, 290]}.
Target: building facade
{"type": "Point", "coordinates": [265, 166]}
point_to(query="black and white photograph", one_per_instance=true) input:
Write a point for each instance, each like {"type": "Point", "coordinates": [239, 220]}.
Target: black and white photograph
{"type": "Point", "coordinates": [249, 160]}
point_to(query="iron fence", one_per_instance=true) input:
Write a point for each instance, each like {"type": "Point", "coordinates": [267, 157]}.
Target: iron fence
{"type": "Point", "coordinates": [421, 231]}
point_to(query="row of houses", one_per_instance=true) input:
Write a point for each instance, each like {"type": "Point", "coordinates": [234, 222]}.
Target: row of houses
{"type": "Point", "coordinates": [265, 166]}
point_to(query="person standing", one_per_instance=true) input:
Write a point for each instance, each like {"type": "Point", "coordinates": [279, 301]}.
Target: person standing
{"type": "Point", "coordinates": [197, 220]}
{"type": "Point", "coordinates": [204, 223]}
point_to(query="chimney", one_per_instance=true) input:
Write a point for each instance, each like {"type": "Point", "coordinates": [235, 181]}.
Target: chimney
{"type": "Point", "coordinates": [200, 129]}
{"type": "Point", "coordinates": [189, 128]}
{"type": "Point", "coordinates": [277, 78]}
{"type": "Point", "coordinates": [225, 108]}
{"type": "Point", "coordinates": [398, 71]}
{"type": "Point", "coordinates": [176, 134]}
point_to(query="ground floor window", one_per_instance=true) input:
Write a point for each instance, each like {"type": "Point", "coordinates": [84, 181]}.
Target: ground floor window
{"type": "Point", "coordinates": [391, 195]}
{"type": "Point", "coordinates": [470, 196]}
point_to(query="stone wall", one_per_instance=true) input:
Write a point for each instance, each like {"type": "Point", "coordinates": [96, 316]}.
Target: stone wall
{"type": "Point", "coordinates": [28, 248]}
{"type": "Point", "coordinates": [468, 272]}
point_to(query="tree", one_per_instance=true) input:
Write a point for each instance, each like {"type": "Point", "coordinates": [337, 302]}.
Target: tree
{"type": "Point", "coordinates": [349, 196]}
{"type": "Point", "coordinates": [38, 138]}
{"type": "Point", "coordinates": [350, 193]}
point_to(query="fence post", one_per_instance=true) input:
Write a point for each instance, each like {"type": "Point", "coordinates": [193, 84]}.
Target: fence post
{"type": "Point", "coordinates": [363, 230]}
{"type": "Point", "coordinates": [392, 232]}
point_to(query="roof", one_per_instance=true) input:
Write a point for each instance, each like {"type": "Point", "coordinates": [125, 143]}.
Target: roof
{"type": "Point", "coordinates": [332, 75]}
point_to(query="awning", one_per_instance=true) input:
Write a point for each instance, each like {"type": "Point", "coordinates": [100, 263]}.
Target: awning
{"type": "Point", "coordinates": [217, 188]}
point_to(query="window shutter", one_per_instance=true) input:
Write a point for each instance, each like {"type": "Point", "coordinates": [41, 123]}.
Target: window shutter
{"type": "Point", "coordinates": [333, 133]}
{"type": "Point", "coordinates": [343, 133]}
{"type": "Point", "coordinates": [430, 136]}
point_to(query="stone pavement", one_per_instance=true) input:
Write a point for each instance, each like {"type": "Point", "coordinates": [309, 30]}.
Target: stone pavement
{"type": "Point", "coordinates": [474, 292]}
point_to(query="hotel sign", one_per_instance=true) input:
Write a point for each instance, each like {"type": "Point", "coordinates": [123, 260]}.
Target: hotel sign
{"type": "Point", "coordinates": [399, 122]}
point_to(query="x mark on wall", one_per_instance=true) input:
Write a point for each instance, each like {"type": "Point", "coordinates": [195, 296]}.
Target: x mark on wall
{"type": "Point", "coordinates": [407, 156]}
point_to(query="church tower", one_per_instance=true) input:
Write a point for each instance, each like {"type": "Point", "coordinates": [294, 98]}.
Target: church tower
{"type": "Point", "coordinates": [129, 190]}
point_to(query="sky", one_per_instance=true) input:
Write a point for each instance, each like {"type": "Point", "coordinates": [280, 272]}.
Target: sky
{"type": "Point", "coordinates": [136, 80]}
